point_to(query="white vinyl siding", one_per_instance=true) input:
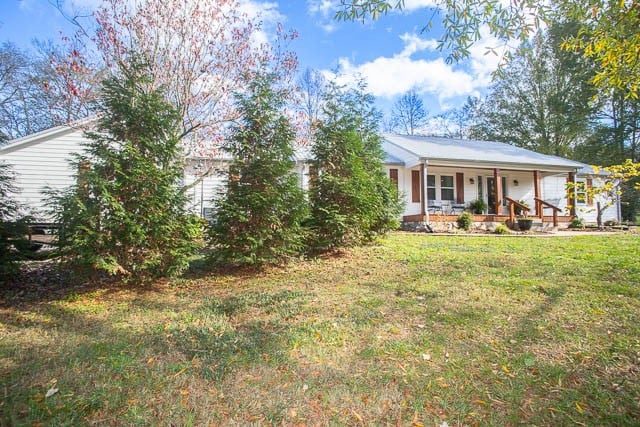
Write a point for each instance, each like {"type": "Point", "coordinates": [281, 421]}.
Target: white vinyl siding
{"type": "Point", "coordinates": [43, 164]}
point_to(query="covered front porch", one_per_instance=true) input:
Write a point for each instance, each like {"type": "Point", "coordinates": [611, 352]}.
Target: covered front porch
{"type": "Point", "coordinates": [440, 193]}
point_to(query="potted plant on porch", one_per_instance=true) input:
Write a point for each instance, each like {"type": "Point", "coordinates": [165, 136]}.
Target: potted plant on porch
{"type": "Point", "coordinates": [524, 223]}
{"type": "Point", "coordinates": [478, 206]}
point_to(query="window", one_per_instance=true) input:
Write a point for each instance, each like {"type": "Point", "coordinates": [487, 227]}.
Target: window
{"type": "Point", "coordinates": [415, 186]}
{"type": "Point", "coordinates": [431, 187]}
{"type": "Point", "coordinates": [446, 187]}
{"type": "Point", "coordinates": [581, 192]}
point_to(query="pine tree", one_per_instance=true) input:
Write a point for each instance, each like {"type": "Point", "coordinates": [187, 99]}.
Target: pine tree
{"type": "Point", "coordinates": [13, 227]}
{"type": "Point", "coordinates": [352, 200]}
{"type": "Point", "coordinates": [259, 218]}
{"type": "Point", "coordinates": [126, 215]}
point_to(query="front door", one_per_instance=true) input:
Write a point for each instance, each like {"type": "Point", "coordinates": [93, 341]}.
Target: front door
{"type": "Point", "coordinates": [491, 195]}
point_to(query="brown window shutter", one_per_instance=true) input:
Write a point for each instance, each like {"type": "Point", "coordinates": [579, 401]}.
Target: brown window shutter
{"type": "Point", "coordinates": [459, 187]}
{"type": "Point", "coordinates": [415, 186]}
{"type": "Point", "coordinates": [589, 195]}
{"type": "Point", "coordinates": [393, 176]}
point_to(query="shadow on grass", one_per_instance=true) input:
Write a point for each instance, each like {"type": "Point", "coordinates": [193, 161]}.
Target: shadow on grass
{"type": "Point", "coordinates": [101, 366]}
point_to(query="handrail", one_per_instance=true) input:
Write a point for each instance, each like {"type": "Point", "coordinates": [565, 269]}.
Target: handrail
{"type": "Point", "coordinates": [539, 207]}
{"type": "Point", "coordinates": [547, 204]}
{"type": "Point", "coordinates": [512, 208]}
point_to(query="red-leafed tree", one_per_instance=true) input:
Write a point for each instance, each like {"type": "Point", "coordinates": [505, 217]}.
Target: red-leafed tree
{"type": "Point", "coordinates": [200, 51]}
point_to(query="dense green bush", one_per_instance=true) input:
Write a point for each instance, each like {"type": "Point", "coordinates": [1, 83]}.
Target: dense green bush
{"type": "Point", "coordinates": [352, 199]}
{"type": "Point", "coordinates": [126, 214]}
{"type": "Point", "coordinates": [259, 216]}
{"type": "Point", "coordinates": [577, 223]}
{"type": "Point", "coordinates": [465, 221]}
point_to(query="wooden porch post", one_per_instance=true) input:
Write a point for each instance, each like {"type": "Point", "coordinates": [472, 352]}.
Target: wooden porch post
{"type": "Point", "coordinates": [498, 187]}
{"type": "Point", "coordinates": [536, 190]}
{"type": "Point", "coordinates": [571, 194]}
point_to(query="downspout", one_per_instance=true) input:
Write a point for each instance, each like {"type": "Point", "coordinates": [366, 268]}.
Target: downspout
{"type": "Point", "coordinates": [424, 191]}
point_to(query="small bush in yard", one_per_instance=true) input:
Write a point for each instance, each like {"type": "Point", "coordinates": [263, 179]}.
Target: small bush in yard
{"type": "Point", "coordinates": [501, 229]}
{"type": "Point", "coordinates": [465, 221]}
{"type": "Point", "coordinates": [577, 223]}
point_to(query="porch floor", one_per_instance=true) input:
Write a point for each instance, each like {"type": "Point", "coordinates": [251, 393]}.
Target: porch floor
{"type": "Point", "coordinates": [481, 218]}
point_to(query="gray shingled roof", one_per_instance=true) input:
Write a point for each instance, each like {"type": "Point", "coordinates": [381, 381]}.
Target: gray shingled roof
{"type": "Point", "coordinates": [434, 149]}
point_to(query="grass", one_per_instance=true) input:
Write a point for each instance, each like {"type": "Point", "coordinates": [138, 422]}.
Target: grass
{"type": "Point", "coordinates": [416, 329]}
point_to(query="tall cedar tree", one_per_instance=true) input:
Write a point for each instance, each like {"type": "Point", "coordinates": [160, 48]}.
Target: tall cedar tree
{"type": "Point", "coordinates": [12, 226]}
{"type": "Point", "coordinates": [351, 198]}
{"type": "Point", "coordinates": [259, 218]}
{"type": "Point", "coordinates": [126, 215]}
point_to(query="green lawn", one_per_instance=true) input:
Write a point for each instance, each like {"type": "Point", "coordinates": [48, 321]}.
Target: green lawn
{"type": "Point", "coordinates": [415, 330]}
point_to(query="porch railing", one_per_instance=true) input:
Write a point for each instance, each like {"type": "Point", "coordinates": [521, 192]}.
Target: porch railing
{"type": "Point", "coordinates": [513, 204]}
{"type": "Point", "coordinates": [541, 204]}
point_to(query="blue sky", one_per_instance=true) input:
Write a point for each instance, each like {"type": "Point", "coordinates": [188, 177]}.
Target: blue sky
{"type": "Point", "coordinates": [392, 54]}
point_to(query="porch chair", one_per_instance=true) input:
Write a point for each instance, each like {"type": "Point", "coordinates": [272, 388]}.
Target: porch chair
{"type": "Point", "coordinates": [435, 206]}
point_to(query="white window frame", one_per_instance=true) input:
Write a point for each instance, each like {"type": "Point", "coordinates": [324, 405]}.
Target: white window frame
{"type": "Point", "coordinates": [581, 191]}
{"type": "Point", "coordinates": [452, 187]}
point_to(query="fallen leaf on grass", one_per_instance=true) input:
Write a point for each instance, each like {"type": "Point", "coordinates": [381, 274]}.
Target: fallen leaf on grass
{"type": "Point", "coordinates": [51, 392]}
{"type": "Point", "coordinates": [181, 371]}
{"type": "Point", "coordinates": [579, 408]}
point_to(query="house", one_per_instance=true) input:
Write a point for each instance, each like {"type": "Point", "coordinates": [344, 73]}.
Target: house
{"type": "Point", "coordinates": [43, 161]}
{"type": "Point", "coordinates": [437, 176]}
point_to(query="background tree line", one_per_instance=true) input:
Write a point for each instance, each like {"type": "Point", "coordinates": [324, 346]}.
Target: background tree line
{"type": "Point", "coordinates": [543, 100]}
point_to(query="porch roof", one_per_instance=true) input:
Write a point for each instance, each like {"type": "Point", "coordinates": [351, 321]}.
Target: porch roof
{"type": "Point", "coordinates": [450, 151]}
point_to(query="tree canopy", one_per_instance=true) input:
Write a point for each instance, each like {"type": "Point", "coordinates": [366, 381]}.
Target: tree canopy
{"type": "Point", "coordinates": [608, 32]}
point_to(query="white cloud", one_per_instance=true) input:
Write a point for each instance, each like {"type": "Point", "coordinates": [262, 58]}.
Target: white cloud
{"type": "Point", "coordinates": [329, 27]}
{"type": "Point", "coordinates": [326, 8]}
{"type": "Point", "coordinates": [485, 56]}
{"type": "Point", "coordinates": [411, 5]}
{"type": "Point", "coordinates": [388, 77]}
{"type": "Point", "coordinates": [266, 13]}
{"type": "Point", "coordinates": [413, 43]}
